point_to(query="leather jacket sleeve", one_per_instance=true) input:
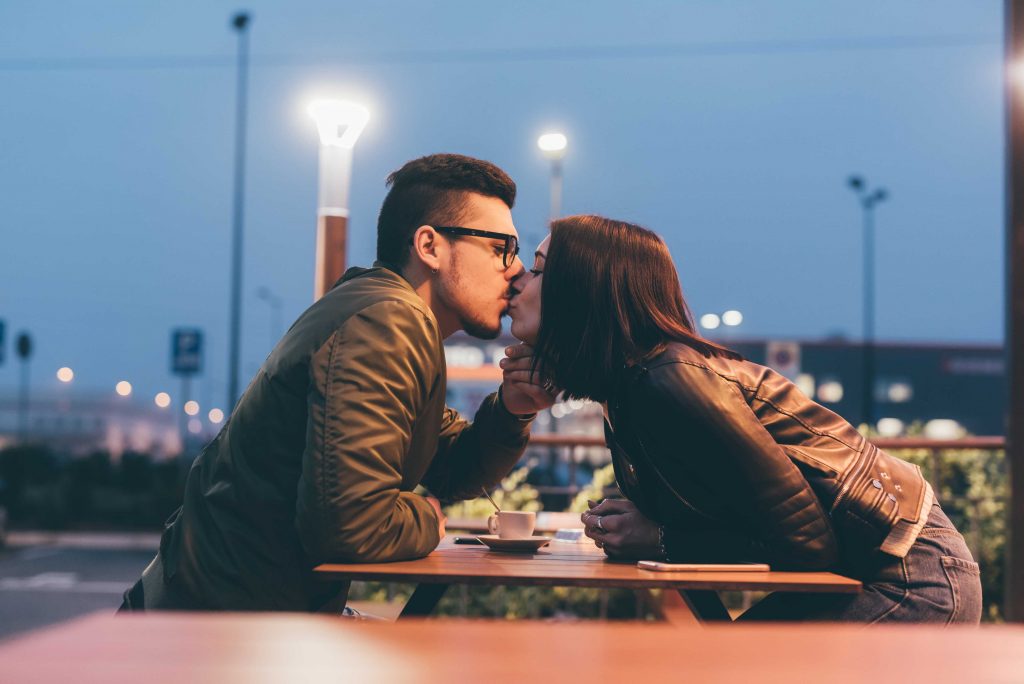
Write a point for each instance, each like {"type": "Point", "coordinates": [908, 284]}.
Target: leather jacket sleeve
{"type": "Point", "coordinates": [363, 398]}
{"type": "Point", "coordinates": [687, 411]}
{"type": "Point", "coordinates": [474, 455]}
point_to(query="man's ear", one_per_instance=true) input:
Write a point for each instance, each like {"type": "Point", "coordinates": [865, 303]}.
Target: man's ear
{"type": "Point", "coordinates": [427, 246]}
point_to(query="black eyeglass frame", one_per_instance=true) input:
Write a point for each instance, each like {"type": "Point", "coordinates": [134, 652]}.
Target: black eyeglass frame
{"type": "Point", "coordinates": [508, 257]}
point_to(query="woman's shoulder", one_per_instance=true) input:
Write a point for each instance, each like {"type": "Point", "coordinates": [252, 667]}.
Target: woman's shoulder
{"type": "Point", "coordinates": [680, 370]}
{"type": "Point", "coordinates": [678, 357]}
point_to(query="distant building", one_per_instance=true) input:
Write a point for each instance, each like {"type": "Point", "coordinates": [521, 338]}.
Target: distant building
{"type": "Point", "coordinates": [914, 382]}
{"type": "Point", "coordinates": [78, 424]}
{"type": "Point", "coordinates": [953, 387]}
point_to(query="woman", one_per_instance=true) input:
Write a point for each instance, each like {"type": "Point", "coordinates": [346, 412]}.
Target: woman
{"type": "Point", "coordinates": [723, 460]}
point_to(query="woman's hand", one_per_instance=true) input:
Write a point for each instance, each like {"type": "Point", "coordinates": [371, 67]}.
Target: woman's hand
{"type": "Point", "coordinates": [617, 526]}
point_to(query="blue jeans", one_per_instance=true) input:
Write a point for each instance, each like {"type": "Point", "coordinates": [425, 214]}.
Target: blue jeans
{"type": "Point", "coordinates": [938, 581]}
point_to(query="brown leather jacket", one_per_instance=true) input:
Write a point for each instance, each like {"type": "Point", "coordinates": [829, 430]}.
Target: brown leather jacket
{"type": "Point", "coordinates": [739, 465]}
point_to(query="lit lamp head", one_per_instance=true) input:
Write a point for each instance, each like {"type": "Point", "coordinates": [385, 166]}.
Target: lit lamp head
{"type": "Point", "coordinates": [340, 122]}
{"type": "Point", "coordinates": [552, 145]}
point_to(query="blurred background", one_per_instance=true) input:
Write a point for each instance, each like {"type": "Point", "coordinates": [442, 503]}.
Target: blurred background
{"type": "Point", "coordinates": [829, 180]}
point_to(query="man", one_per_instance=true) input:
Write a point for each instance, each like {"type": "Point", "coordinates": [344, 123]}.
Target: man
{"type": "Point", "coordinates": [347, 416]}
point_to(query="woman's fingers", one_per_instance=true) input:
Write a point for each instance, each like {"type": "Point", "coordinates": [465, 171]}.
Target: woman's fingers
{"type": "Point", "coordinates": [613, 507]}
{"type": "Point", "coordinates": [520, 363]}
{"type": "Point", "coordinates": [520, 349]}
{"type": "Point", "coordinates": [521, 376]}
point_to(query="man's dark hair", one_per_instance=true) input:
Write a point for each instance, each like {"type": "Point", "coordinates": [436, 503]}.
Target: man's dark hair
{"type": "Point", "coordinates": [432, 191]}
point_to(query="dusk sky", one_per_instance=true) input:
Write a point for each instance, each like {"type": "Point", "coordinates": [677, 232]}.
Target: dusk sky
{"type": "Point", "coordinates": [728, 127]}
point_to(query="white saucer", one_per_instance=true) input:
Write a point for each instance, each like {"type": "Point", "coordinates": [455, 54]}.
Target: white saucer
{"type": "Point", "coordinates": [518, 544]}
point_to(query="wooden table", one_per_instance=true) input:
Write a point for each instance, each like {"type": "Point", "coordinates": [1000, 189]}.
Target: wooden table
{"type": "Point", "coordinates": [573, 565]}
{"type": "Point", "coordinates": [227, 648]}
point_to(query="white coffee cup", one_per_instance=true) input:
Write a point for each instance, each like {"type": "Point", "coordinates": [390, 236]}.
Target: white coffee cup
{"type": "Point", "coordinates": [512, 524]}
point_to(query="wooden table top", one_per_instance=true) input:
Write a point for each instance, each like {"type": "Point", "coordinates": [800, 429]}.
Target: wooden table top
{"type": "Point", "coordinates": [573, 565]}
{"type": "Point", "coordinates": [227, 648]}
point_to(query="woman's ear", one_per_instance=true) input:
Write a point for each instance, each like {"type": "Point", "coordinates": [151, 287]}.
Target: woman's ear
{"type": "Point", "coordinates": [427, 246]}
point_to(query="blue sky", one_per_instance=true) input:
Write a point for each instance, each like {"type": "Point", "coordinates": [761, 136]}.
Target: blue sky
{"type": "Point", "coordinates": [728, 127]}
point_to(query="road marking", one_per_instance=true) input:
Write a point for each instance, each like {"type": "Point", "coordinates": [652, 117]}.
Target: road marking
{"type": "Point", "coordinates": [61, 581]}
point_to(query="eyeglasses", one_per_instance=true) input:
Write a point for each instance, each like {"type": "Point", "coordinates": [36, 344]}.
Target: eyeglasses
{"type": "Point", "coordinates": [511, 251]}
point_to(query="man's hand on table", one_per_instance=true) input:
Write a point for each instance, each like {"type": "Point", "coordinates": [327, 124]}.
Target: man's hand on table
{"type": "Point", "coordinates": [522, 391]}
{"type": "Point", "coordinates": [618, 527]}
{"type": "Point", "coordinates": [441, 518]}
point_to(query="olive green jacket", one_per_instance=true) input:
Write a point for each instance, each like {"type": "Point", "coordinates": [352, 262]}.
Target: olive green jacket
{"type": "Point", "coordinates": [320, 457]}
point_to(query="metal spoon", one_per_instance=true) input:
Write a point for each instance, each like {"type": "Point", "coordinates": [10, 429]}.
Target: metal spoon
{"type": "Point", "coordinates": [491, 500]}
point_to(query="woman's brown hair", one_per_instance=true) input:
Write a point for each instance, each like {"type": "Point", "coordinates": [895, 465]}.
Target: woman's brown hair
{"type": "Point", "coordinates": [610, 297]}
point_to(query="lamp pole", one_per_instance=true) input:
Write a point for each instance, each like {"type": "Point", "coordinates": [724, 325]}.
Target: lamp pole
{"type": "Point", "coordinates": [868, 200]}
{"type": "Point", "coordinates": [339, 123]}
{"type": "Point", "coordinates": [240, 22]}
{"type": "Point", "coordinates": [23, 346]}
{"type": "Point", "coordinates": [553, 145]}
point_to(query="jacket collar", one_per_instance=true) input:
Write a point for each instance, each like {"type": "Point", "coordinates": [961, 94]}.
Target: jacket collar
{"type": "Point", "coordinates": [380, 269]}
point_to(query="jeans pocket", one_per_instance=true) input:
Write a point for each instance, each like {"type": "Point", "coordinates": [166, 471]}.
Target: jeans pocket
{"type": "Point", "coordinates": [964, 578]}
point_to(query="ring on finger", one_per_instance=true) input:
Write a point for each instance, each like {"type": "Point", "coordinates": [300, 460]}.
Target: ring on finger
{"type": "Point", "coordinates": [599, 527]}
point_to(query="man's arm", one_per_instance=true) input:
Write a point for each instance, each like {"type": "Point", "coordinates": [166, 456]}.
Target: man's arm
{"type": "Point", "coordinates": [474, 455]}
{"type": "Point", "coordinates": [367, 385]}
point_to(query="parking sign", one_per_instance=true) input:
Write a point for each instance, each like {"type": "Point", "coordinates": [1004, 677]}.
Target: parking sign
{"type": "Point", "coordinates": [186, 351]}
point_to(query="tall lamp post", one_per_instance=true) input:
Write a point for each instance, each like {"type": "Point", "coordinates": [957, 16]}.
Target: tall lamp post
{"type": "Point", "coordinates": [868, 200]}
{"type": "Point", "coordinates": [23, 345]}
{"type": "Point", "coordinates": [339, 123]}
{"type": "Point", "coordinates": [553, 145]}
{"type": "Point", "coordinates": [240, 22]}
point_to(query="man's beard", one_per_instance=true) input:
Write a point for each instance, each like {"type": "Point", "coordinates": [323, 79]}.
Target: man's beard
{"type": "Point", "coordinates": [480, 330]}
{"type": "Point", "coordinates": [471, 326]}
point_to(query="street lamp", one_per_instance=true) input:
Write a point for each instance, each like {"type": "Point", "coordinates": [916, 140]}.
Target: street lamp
{"type": "Point", "coordinates": [240, 23]}
{"type": "Point", "coordinates": [553, 145]}
{"type": "Point", "coordinates": [23, 346]}
{"type": "Point", "coordinates": [712, 321]}
{"type": "Point", "coordinates": [732, 318]}
{"type": "Point", "coordinates": [339, 123]}
{"type": "Point", "coordinates": [868, 200]}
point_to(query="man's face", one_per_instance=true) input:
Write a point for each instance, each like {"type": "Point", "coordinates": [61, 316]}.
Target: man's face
{"type": "Point", "coordinates": [474, 284]}
{"type": "Point", "coordinates": [525, 307]}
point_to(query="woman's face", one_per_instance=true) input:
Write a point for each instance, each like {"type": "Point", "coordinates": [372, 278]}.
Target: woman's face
{"type": "Point", "coordinates": [525, 306]}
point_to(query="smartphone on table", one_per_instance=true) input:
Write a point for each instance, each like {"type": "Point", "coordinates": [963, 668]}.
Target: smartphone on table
{"type": "Point", "coordinates": [658, 566]}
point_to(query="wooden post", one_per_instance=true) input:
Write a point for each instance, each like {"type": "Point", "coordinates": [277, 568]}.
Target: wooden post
{"type": "Point", "coordinates": [1014, 97]}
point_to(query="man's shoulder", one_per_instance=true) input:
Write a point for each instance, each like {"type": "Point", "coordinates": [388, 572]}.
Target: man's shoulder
{"type": "Point", "coordinates": [369, 287]}
{"type": "Point", "coordinates": [370, 293]}
{"type": "Point", "coordinates": [376, 296]}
